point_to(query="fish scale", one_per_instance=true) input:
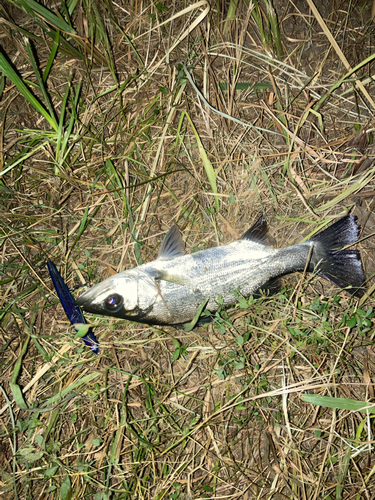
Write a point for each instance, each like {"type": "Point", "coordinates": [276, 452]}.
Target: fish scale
{"type": "Point", "coordinates": [170, 289]}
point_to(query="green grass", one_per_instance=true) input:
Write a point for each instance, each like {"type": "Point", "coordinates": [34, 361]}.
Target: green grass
{"type": "Point", "coordinates": [104, 144]}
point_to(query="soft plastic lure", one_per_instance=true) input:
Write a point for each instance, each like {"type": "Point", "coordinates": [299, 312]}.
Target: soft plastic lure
{"type": "Point", "coordinates": [71, 309]}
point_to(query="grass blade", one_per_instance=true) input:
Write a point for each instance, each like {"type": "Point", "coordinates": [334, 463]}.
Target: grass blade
{"type": "Point", "coordinates": [210, 172]}
{"type": "Point", "coordinates": [14, 387]}
{"type": "Point", "coordinates": [37, 10]}
{"type": "Point", "coordinates": [7, 69]}
{"type": "Point", "coordinates": [40, 80]}
{"type": "Point", "coordinates": [52, 56]}
{"type": "Point", "coordinates": [189, 326]}
{"type": "Point", "coordinates": [339, 403]}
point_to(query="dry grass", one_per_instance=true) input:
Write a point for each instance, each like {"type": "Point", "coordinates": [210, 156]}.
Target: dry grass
{"type": "Point", "coordinates": [117, 147]}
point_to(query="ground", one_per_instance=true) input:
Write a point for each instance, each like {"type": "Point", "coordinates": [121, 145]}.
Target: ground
{"type": "Point", "coordinates": [104, 144]}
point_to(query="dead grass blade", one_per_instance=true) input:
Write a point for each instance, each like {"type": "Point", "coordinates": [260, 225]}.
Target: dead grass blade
{"type": "Point", "coordinates": [339, 52]}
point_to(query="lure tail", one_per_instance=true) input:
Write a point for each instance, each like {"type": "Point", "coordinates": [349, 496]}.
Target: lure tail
{"type": "Point", "coordinates": [71, 309]}
{"type": "Point", "coordinates": [342, 267]}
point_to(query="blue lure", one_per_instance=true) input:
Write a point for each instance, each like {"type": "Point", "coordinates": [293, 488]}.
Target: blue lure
{"type": "Point", "coordinates": [71, 309]}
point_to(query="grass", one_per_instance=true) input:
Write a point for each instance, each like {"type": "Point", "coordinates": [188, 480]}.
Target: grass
{"type": "Point", "coordinates": [105, 142]}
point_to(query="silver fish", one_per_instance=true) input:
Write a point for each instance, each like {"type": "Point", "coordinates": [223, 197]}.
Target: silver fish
{"type": "Point", "coordinates": [170, 289]}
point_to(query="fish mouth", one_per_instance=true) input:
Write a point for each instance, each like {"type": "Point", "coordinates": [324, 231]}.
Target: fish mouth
{"type": "Point", "coordinates": [82, 299]}
{"type": "Point", "coordinates": [91, 300]}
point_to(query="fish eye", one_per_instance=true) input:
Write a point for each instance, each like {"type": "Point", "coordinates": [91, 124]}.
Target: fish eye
{"type": "Point", "coordinates": [113, 302]}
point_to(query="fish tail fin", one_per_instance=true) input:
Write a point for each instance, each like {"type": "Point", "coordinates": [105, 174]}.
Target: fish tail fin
{"type": "Point", "coordinates": [341, 267]}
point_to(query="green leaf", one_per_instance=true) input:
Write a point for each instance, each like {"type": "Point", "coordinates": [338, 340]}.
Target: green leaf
{"type": "Point", "coordinates": [240, 340]}
{"type": "Point", "coordinates": [30, 454]}
{"type": "Point", "coordinates": [118, 182]}
{"type": "Point", "coordinates": [14, 387]}
{"type": "Point", "coordinates": [351, 322]}
{"type": "Point", "coordinates": [52, 56]}
{"type": "Point", "coordinates": [247, 85]}
{"type": "Point", "coordinates": [243, 303]}
{"type": "Point", "coordinates": [51, 471]}
{"type": "Point", "coordinates": [189, 326]}
{"type": "Point", "coordinates": [34, 8]}
{"type": "Point", "coordinates": [210, 172]}
{"type": "Point", "coordinates": [50, 489]}
{"type": "Point", "coordinates": [71, 388]}
{"type": "Point", "coordinates": [7, 69]}
{"type": "Point", "coordinates": [81, 329]}
{"type": "Point", "coordinates": [39, 439]}
{"type": "Point", "coordinates": [66, 489]}
{"type": "Point", "coordinates": [41, 82]}
{"type": "Point", "coordinates": [176, 354]}
{"type": "Point", "coordinates": [23, 157]}
{"type": "Point", "coordinates": [339, 403]}
{"type": "Point", "coordinates": [161, 495]}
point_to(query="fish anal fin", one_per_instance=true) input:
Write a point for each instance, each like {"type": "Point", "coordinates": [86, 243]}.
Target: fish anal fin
{"type": "Point", "coordinates": [271, 287]}
{"type": "Point", "coordinates": [257, 232]}
{"type": "Point", "coordinates": [172, 245]}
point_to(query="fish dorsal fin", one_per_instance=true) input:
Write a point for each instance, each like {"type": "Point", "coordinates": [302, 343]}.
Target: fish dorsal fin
{"type": "Point", "coordinates": [257, 232]}
{"type": "Point", "coordinates": [172, 245]}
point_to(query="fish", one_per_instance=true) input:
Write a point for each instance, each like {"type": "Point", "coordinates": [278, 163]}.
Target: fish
{"type": "Point", "coordinates": [71, 309]}
{"type": "Point", "coordinates": [171, 289]}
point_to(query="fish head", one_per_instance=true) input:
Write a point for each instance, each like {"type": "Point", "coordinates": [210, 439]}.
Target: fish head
{"type": "Point", "coordinates": [116, 296]}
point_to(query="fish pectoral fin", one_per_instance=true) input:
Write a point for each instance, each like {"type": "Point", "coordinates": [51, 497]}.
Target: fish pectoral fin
{"type": "Point", "coordinates": [172, 278]}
